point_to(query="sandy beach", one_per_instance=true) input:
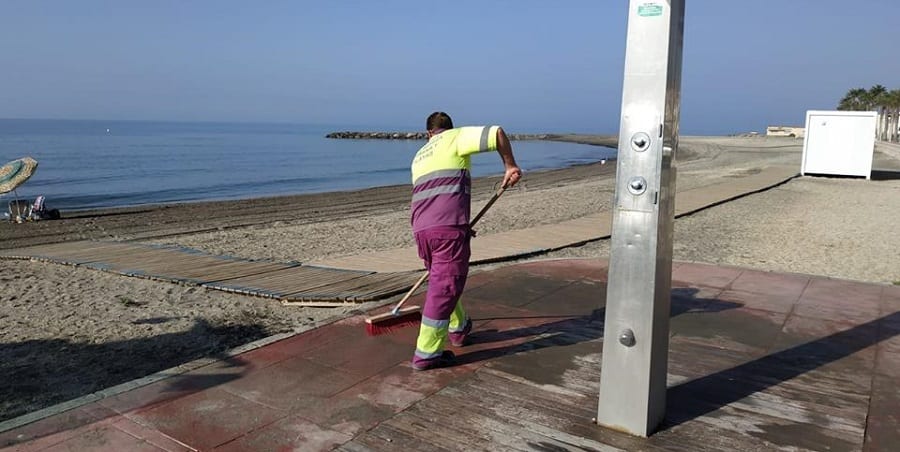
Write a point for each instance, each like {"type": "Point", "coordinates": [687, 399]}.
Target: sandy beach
{"type": "Point", "coordinates": [69, 331]}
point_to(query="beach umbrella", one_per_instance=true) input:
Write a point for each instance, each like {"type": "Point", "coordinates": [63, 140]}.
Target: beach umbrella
{"type": "Point", "coordinates": [15, 173]}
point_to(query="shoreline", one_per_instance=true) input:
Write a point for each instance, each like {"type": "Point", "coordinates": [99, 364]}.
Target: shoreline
{"type": "Point", "coordinates": [416, 136]}
{"type": "Point", "coordinates": [167, 219]}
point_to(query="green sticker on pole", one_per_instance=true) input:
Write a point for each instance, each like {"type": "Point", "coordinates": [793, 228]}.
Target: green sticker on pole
{"type": "Point", "coordinates": [650, 10]}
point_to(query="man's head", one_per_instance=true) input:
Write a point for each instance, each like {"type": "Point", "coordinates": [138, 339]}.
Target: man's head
{"type": "Point", "coordinates": [437, 122]}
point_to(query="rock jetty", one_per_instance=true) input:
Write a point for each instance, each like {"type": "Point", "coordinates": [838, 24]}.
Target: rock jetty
{"type": "Point", "coordinates": [414, 136]}
{"type": "Point", "coordinates": [378, 135]}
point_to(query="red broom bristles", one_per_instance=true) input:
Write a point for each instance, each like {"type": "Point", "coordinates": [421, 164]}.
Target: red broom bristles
{"type": "Point", "coordinates": [388, 322]}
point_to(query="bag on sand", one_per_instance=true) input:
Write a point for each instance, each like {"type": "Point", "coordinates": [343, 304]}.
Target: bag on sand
{"type": "Point", "coordinates": [39, 210]}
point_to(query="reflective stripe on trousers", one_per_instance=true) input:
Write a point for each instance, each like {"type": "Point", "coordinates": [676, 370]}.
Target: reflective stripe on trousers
{"type": "Point", "coordinates": [445, 251]}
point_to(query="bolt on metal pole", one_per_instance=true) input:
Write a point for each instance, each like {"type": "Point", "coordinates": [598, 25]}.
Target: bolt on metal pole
{"type": "Point", "coordinates": [636, 336]}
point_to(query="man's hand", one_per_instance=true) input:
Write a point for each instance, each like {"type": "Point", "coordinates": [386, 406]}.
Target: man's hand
{"type": "Point", "coordinates": [512, 176]}
{"type": "Point", "coordinates": [513, 172]}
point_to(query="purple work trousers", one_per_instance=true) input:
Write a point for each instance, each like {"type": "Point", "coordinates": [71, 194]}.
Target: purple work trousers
{"type": "Point", "coordinates": [445, 251]}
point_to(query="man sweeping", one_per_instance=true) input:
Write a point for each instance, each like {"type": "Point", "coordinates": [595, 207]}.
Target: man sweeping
{"type": "Point", "coordinates": [440, 223]}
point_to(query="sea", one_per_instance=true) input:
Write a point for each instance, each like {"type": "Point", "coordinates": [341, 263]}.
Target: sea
{"type": "Point", "coordinates": [88, 164]}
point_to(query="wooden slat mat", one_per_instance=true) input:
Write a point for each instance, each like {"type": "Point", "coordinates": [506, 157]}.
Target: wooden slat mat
{"type": "Point", "coordinates": [74, 253]}
{"type": "Point", "coordinates": [288, 281]}
{"type": "Point", "coordinates": [281, 283]}
{"type": "Point", "coordinates": [370, 287]}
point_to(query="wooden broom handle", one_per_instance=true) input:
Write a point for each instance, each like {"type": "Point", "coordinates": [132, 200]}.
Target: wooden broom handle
{"type": "Point", "coordinates": [471, 224]}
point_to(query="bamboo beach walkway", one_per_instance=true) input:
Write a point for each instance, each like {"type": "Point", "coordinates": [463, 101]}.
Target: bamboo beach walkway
{"type": "Point", "coordinates": [364, 277]}
{"type": "Point", "coordinates": [541, 239]}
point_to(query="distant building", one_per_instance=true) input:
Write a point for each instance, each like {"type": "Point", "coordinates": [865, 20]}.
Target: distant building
{"type": "Point", "coordinates": [785, 131]}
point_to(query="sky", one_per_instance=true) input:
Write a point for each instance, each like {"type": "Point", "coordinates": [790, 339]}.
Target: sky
{"type": "Point", "coordinates": [531, 66]}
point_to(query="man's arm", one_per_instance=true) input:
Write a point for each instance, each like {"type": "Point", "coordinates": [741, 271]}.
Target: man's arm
{"type": "Point", "coordinates": [504, 148]}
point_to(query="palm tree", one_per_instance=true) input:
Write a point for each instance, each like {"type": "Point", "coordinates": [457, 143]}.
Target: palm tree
{"type": "Point", "coordinates": [854, 100]}
{"type": "Point", "coordinates": [873, 96]}
{"type": "Point", "coordinates": [877, 96]}
{"type": "Point", "coordinates": [892, 103]}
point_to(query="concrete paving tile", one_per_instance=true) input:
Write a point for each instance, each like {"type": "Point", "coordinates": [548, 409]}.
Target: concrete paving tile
{"type": "Point", "coordinates": [106, 438]}
{"type": "Point", "coordinates": [852, 371]}
{"type": "Point", "coordinates": [890, 323]}
{"type": "Point", "coordinates": [889, 333]}
{"type": "Point", "coordinates": [810, 344]}
{"type": "Point", "coordinates": [555, 361]}
{"type": "Point", "coordinates": [578, 298]}
{"type": "Point", "coordinates": [360, 407]}
{"type": "Point", "coordinates": [428, 382]}
{"type": "Point", "coordinates": [489, 344]}
{"type": "Point", "coordinates": [835, 292]}
{"type": "Point", "coordinates": [313, 339]}
{"type": "Point", "coordinates": [782, 285]}
{"type": "Point", "coordinates": [888, 343]}
{"type": "Point", "coordinates": [887, 359]}
{"type": "Point", "coordinates": [53, 430]}
{"type": "Point", "coordinates": [146, 396]}
{"type": "Point", "coordinates": [477, 278]}
{"type": "Point", "coordinates": [177, 386]}
{"type": "Point", "coordinates": [207, 419]}
{"type": "Point", "coordinates": [689, 360]}
{"type": "Point", "coordinates": [800, 330]}
{"type": "Point", "coordinates": [768, 302]}
{"type": "Point", "coordinates": [378, 391]}
{"type": "Point", "coordinates": [844, 313]}
{"type": "Point", "coordinates": [883, 422]}
{"type": "Point", "coordinates": [364, 357]}
{"type": "Point", "coordinates": [292, 433]}
{"type": "Point", "coordinates": [503, 337]}
{"type": "Point", "coordinates": [290, 384]}
{"type": "Point", "coordinates": [149, 435]}
{"type": "Point", "coordinates": [691, 274]}
{"type": "Point", "coordinates": [346, 415]}
{"type": "Point", "coordinates": [507, 327]}
{"type": "Point", "coordinates": [890, 300]}
{"type": "Point", "coordinates": [742, 330]}
{"type": "Point", "coordinates": [515, 289]}
{"type": "Point", "coordinates": [481, 309]}
{"type": "Point", "coordinates": [568, 269]}
{"type": "Point", "coordinates": [697, 299]}
{"type": "Point", "coordinates": [765, 387]}
{"type": "Point", "coordinates": [273, 353]}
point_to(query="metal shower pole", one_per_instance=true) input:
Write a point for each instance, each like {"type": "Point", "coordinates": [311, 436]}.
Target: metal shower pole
{"type": "Point", "coordinates": [636, 336]}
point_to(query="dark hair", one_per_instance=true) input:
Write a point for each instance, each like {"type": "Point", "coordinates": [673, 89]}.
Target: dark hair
{"type": "Point", "coordinates": [438, 120]}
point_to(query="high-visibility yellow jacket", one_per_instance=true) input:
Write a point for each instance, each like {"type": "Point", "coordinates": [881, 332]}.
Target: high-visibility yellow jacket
{"type": "Point", "coordinates": [440, 176]}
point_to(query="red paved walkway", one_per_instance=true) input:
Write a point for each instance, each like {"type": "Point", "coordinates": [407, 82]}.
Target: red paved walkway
{"type": "Point", "coordinates": [759, 361]}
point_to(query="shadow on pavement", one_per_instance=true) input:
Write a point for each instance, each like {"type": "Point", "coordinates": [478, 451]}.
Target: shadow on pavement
{"type": "Point", "coordinates": [574, 329]}
{"type": "Point", "coordinates": [41, 373]}
{"type": "Point", "coordinates": [707, 394]}
{"type": "Point", "coordinates": [885, 175]}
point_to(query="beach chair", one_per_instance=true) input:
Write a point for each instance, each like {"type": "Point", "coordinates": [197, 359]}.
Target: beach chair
{"type": "Point", "coordinates": [19, 210]}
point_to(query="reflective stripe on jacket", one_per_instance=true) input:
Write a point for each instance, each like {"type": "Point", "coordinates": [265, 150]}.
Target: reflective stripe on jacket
{"type": "Point", "coordinates": [441, 179]}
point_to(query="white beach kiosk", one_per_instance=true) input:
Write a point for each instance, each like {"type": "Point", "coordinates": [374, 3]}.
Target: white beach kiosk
{"type": "Point", "coordinates": [839, 143]}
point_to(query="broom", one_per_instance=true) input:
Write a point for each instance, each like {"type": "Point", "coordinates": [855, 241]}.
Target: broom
{"type": "Point", "coordinates": [401, 317]}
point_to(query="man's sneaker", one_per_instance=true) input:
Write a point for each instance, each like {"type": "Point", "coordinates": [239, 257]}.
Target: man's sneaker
{"type": "Point", "coordinates": [459, 339]}
{"type": "Point", "coordinates": [446, 359]}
